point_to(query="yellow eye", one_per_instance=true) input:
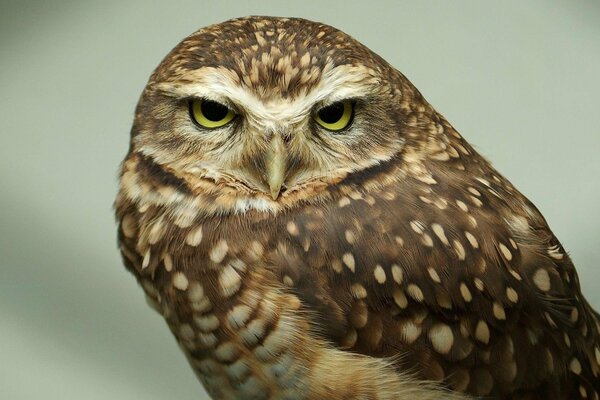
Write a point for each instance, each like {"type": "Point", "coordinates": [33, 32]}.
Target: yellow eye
{"type": "Point", "coordinates": [210, 114]}
{"type": "Point", "coordinates": [336, 116]}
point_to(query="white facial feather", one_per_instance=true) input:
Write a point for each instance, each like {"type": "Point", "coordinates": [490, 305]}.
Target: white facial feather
{"type": "Point", "coordinates": [218, 84]}
{"type": "Point", "coordinates": [265, 114]}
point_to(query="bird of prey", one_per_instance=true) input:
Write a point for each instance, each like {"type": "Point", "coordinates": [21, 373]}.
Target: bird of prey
{"type": "Point", "coordinates": [311, 228]}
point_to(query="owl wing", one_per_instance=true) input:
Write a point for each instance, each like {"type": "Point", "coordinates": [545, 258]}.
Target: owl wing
{"type": "Point", "coordinates": [454, 275]}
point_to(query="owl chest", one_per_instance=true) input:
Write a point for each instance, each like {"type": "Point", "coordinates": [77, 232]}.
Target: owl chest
{"type": "Point", "coordinates": [225, 308]}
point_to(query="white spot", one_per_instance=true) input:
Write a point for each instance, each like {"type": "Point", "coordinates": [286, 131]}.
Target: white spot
{"type": "Point", "coordinates": [337, 266]}
{"type": "Point", "coordinates": [410, 332]}
{"type": "Point", "coordinates": [358, 291]}
{"type": "Point", "coordinates": [554, 252]}
{"type": "Point", "coordinates": [379, 274]}
{"type": "Point", "coordinates": [440, 156]}
{"type": "Point", "coordinates": [180, 281]}
{"type": "Point", "coordinates": [434, 275]}
{"type": "Point", "coordinates": [472, 240]}
{"type": "Point", "coordinates": [459, 249]}
{"type": "Point", "coordinates": [350, 238]}
{"type": "Point", "coordinates": [354, 195]}
{"type": "Point", "coordinates": [201, 305]}
{"type": "Point", "coordinates": [428, 179]}
{"type": "Point", "coordinates": [238, 370]}
{"type": "Point", "coordinates": [515, 274]}
{"type": "Point", "coordinates": [218, 253]}
{"type": "Point", "coordinates": [511, 295]}
{"type": "Point", "coordinates": [399, 240]}
{"type": "Point", "coordinates": [465, 292]}
{"type": "Point", "coordinates": [168, 262]}
{"type": "Point", "coordinates": [484, 181]}
{"type": "Point", "coordinates": [426, 240]}
{"type": "Point", "coordinates": [194, 237]}
{"type": "Point", "coordinates": [360, 314]}
{"type": "Point", "coordinates": [552, 323]}
{"type": "Point", "coordinates": [440, 203]}
{"type": "Point", "coordinates": [439, 232]}
{"type": "Point", "coordinates": [288, 281]}
{"type": "Point", "coordinates": [348, 260]}
{"type": "Point", "coordinates": [476, 201]}
{"type": "Point", "coordinates": [441, 338]}
{"type": "Point", "coordinates": [238, 264]}
{"type": "Point", "coordinates": [253, 333]}
{"type": "Point", "coordinates": [400, 298]}
{"type": "Point", "coordinates": [415, 292]}
{"type": "Point", "coordinates": [279, 337]}
{"type": "Point", "coordinates": [479, 284]}
{"type": "Point", "coordinates": [186, 332]}
{"type": "Point", "coordinates": [306, 243]}
{"type": "Point", "coordinates": [344, 201]}
{"type": "Point", "coordinates": [575, 366]}
{"type": "Point", "coordinates": [292, 228]}
{"type": "Point", "coordinates": [451, 150]}
{"type": "Point", "coordinates": [425, 200]}
{"type": "Point", "coordinates": [417, 227]}
{"type": "Point", "coordinates": [574, 314]}
{"type": "Point", "coordinates": [498, 311]}
{"type": "Point", "coordinates": [156, 232]}
{"type": "Point", "coordinates": [482, 332]}
{"type": "Point", "coordinates": [226, 352]}
{"type": "Point", "coordinates": [229, 281]}
{"type": "Point", "coordinates": [195, 292]}
{"type": "Point", "coordinates": [462, 205]}
{"type": "Point", "coordinates": [128, 226]}
{"type": "Point", "coordinates": [256, 250]}
{"type": "Point", "coordinates": [474, 191]}
{"type": "Point", "coordinates": [505, 251]}
{"type": "Point", "coordinates": [238, 316]}
{"type": "Point", "coordinates": [397, 274]}
{"type": "Point", "coordinates": [472, 221]}
{"type": "Point", "coordinates": [146, 260]}
{"type": "Point", "coordinates": [541, 279]}
{"type": "Point", "coordinates": [565, 337]}
{"type": "Point", "coordinates": [207, 323]}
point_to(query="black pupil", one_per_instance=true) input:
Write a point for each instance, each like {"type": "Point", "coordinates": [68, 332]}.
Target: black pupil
{"type": "Point", "coordinates": [213, 111]}
{"type": "Point", "coordinates": [332, 113]}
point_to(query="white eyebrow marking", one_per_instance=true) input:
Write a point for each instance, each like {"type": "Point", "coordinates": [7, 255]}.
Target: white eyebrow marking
{"type": "Point", "coordinates": [220, 84]}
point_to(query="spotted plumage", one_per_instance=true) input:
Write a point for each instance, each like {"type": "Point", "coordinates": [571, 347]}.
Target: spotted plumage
{"type": "Point", "coordinates": [381, 261]}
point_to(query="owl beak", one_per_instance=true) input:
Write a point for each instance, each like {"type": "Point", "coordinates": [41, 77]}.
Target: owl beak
{"type": "Point", "coordinates": [275, 163]}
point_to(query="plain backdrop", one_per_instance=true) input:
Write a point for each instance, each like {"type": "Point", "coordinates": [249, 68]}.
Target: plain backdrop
{"type": "Point", "coordinates": [520, 80]}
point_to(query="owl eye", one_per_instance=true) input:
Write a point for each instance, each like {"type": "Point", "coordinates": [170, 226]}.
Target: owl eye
{"type": "Point", "coordinates": [210, 114]}
{"type": "Point", "coordinates": [336, 116]}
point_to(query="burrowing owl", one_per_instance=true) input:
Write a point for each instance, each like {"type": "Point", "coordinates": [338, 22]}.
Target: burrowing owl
{"type": "Point", "coordinates": [311, 228]}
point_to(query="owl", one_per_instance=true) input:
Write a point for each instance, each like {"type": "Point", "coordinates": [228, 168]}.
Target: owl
{"type": "Point", "coordinates": [311, 228]}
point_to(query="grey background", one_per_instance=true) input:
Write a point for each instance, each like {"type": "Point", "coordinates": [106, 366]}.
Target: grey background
{"type": "Point", "coordinates": [519, 80]}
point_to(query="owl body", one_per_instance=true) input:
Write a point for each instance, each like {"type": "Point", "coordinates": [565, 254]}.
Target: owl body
{"type": "Point", "coordinates": [381, 260]}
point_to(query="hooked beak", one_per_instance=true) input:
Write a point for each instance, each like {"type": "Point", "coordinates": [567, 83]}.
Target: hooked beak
{"type": "Point", "coordinates": [275, 163]}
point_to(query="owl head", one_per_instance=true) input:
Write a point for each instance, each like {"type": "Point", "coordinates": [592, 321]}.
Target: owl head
{"type": "Point", "coordinates": [264, 112]}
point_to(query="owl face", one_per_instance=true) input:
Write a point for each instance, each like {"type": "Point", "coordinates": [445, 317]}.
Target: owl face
{"type": "Point", "coordinates": [269, 115]}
